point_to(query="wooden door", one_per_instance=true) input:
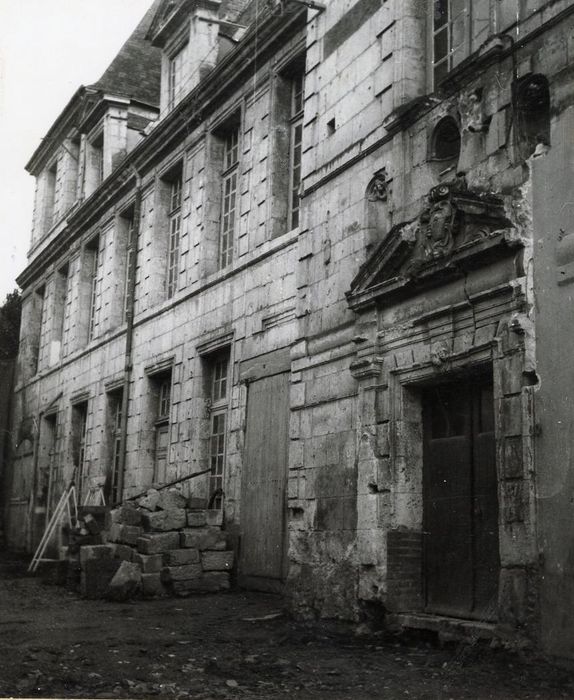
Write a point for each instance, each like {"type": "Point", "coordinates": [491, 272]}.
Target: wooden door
{"type": "Point", "coordinates": [461, 558]}
{"type": "Point", "coordinates": [160, 459]}
{"type": "Point", "coordinates": [264, 478]}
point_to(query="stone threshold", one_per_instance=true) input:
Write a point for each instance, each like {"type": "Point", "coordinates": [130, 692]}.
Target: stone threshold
{"type": "Point", "coordinates": [448, 628]}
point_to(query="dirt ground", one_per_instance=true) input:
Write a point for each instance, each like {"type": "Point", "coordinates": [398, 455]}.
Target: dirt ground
{"type": "Point", "coordinates": [53, 644]}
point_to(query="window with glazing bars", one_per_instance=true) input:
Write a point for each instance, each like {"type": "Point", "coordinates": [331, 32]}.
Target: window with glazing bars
{"type": "Point", "coordinates": [53, 470]}
{"type": "Point", "coordinates": [80, 431]}
{"type": "Point", "coordinates": [164, 399]}
{"type": "Point", "coordinates": [451, 35]}
{"type": "Point", "coordinates": [296, 142]}
{"type": "Point", "coordinates": [94, 286]}
{"type": "Point", "coordinates": [218, 426]}
{"type": "Point", "coordinates": [175, 77]}
{"type": "Point", "coordinates": [116, 430]}
{"type": "Point", "coordinates": [39, 337]}
{"type": "Point", "coordinates": [129, 256]}
{"type": "Point", "coordinates": [163, 388]}
{"type": "Point", "coordinates": [174, 218]}
{"type": "Point", "coordinates": [229, 195]}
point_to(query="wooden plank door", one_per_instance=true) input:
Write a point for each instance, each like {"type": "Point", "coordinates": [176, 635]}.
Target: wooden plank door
{"type": "Point", "coordinates": [460, 503]}
{"type": "Point", "coordinates": [264, 478]}
{"type": "Point", "coordinates": [486, 555]}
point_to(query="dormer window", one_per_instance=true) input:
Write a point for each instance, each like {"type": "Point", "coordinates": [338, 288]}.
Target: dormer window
{"type": "Point", "coordinates": [50, 196]}
{"type": "Point", "coordinates": [175, 77]}
{"type": "Point", "coordinates": [94, 174]}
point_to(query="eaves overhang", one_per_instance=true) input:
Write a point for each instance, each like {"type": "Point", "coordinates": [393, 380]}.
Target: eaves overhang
{"type": "Point", "coordinates": [213, 90]}
{"type": "Point", "coordinates": [59, 129]}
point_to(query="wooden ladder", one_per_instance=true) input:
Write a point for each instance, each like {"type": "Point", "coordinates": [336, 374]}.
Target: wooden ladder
{"type": "Point", "coordinates": [67, 507]}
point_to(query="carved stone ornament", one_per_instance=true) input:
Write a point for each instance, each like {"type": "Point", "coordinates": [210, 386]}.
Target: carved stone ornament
{"type": "Point", "coordinates": [378, 187]}
{"type": "Point", "coordinates": [450, 221]}
{"type": "Point", "coordinates": [366, 367]}
{"type": "Point", "coordinates": [456, 225]}
{"type": "Point", "coordinates": [471, 110]}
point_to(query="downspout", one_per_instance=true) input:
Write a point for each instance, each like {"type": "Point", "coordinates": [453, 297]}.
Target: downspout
{"type": "Point", "coordinates": [130, 308]}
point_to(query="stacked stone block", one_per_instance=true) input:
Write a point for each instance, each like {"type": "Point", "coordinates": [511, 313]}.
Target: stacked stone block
{"type": "Point", "coordinates": [172, 549]}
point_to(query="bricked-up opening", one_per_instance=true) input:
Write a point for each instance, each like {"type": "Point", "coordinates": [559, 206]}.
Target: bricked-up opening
{"type": "Point", "coordinates": [404, 579]}
{"type": "Point", "coordinates": [226, 148]}
{"type": "Point", "coordinates": [160, 408]}
{"type": "Point", "coordinates": [217, 391]}
{"type": "Point", "coordinates": [79, 444]}
{"type": "Point", "coordinates": [446, 140]}
{"type": "Point", "coordinates": [114, 444]}
{"type": "Point", "coordinates": [170, 193]}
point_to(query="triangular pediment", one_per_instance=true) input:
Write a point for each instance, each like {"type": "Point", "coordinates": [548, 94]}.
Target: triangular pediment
{"type": "Point", "coordinates": [458, 226]}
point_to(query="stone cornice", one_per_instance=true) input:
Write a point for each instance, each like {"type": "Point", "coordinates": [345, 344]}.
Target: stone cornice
{"type": "Point", "coordinates": [272, 31]}
{"type": "Point", "coordinates": [58, 131]}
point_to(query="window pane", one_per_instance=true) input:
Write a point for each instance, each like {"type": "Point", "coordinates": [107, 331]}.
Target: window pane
{"type": "Point", "coordinates": [440, 45]}
{"type": "Point", "coordinates": [440, 13]}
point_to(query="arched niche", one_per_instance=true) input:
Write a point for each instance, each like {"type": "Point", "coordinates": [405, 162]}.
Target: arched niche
{"type": "Point", "coordinates": [377, 196]}
{"type": "Point", "coordinates": [532, 108]}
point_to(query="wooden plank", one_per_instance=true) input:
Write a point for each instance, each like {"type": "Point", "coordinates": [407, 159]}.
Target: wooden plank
{"type": "Point", "coordinates": [263, 511]}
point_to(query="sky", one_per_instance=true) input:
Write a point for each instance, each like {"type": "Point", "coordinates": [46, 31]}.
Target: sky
{"type": "Point", "coordinates": [48, 48]}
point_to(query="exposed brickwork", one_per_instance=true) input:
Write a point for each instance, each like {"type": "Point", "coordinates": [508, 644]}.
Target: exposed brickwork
{"type": "Point", "coordinates": [404, 575]}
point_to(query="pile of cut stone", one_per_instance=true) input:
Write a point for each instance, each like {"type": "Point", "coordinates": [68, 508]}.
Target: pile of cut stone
{"type": "Point", "coordinates": [162, 544]}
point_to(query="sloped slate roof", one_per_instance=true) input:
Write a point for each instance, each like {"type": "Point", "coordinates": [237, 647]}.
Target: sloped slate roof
{"type": "Point", "coordinates": [135, 71]}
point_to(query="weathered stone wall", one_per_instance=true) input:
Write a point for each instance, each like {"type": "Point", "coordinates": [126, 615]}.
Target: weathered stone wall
{"type": "Point", "coordinates": [248, 306]}
{"type": "Point", "coordinates": [552, 211]}
{"type": "Point", "coordinates": [474, 322]}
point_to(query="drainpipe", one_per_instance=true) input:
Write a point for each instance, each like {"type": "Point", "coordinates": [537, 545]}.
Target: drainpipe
{"type": "Point", "coordinates": [130, 307]}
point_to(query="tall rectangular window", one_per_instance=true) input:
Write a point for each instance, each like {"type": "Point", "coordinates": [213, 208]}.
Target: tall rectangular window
{"type": "Point", "coordinates": [229, 195]}
{"type": "Point", "coordinates": [36, 322]}
{"type": "Point", "coordinates": [450, 35]}
{"type": "Point", "coordinates": [50, 197]}
{"type": "Point", "coordinates": [129, 223]}
{"type": "Point", "coordinates": [51, 474]}
{"type": "Point", "coordinates": [175, 77]}
{"type": "Point", "coordinates": [174, 217]}
{"type": "Point", "coordinates": [115, 400]}
{"type": "Point", "coordinates": [95, 261]}
{"type": "Point", "coordinates": [79, 444]}
{"type": "Point", "coordinates": [296, 143]}
{"type": "Point", "coordinates": [95, 168]}
{"type": "Point", "coordinates": [65, 282]}
{"type": "Point", "coordinates": [218, 368]}
{"type": "Point", "coordinates": [161, 390]}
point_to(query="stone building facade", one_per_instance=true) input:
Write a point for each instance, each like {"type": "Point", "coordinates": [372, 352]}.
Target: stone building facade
{"type": "Point", "coordinates": [326, 258]}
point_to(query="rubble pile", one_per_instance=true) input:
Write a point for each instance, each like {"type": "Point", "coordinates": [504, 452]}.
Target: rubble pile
{"type": "Point", "coordinates": [162, 544]}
